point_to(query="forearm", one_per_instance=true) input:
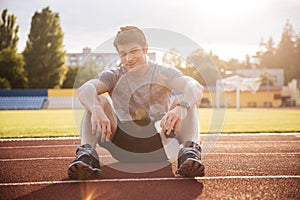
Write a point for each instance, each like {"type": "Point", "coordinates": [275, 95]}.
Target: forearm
{"type": "Point", "coordinates": [87, 94]}
{"type": "Point", "coordinates": [192, 92]}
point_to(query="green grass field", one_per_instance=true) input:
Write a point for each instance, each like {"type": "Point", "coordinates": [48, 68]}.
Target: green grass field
{"type": "Point", "coordinates": [53, 123]}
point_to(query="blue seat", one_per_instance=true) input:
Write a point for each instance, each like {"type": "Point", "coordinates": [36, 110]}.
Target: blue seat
{"type": "Point", "coordinates": [22, 103]}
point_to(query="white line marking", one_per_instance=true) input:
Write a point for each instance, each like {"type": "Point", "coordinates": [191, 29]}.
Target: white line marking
{"type": "Point", "coordinates": [252, 134]}
{"type": "Point", "coordinates": [38, 139]}
{"type": "Point", "coordinates": [50, 158]}
{"type": "Point", "coordinates": [34, 159]}
{"type": "Point", "coordinates": [297, 134]}
{"type": "Point", "coordinates": [202, 143]}
{"type": "Point", "coordinates": [251, 141]}
{"type": "Point", "coordinates": [40, 146]}
{"type": "Point", "coordinates": [36, 147]}
{"type": "Point", "coordinates": [253, 153]}
{"type": "Point", "coordinates": [109, 156]}
{"type": "Point", "coordinates": [150, 179]}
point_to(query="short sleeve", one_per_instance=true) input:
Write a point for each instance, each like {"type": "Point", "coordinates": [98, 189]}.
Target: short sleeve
{"type": "Point", "coordinates": [109, 77]}
{"type": "Point", "coordinates": [168, 74]}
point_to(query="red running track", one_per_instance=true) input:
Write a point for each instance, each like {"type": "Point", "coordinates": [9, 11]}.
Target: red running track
{"type": "Point", "coordinates": [239, 166]}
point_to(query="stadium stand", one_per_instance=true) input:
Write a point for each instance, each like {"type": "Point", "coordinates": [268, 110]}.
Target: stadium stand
{"type": "Point", "coordinates": [64, 102]}
{"type": "Point", "coordinates": [63, 99]}
{"type": "Point", "coordinates": [39, 99]}
{"type": "Point", "coordinates": [21, 103]}
{"type": "Point", "coordinates": [22, 99]}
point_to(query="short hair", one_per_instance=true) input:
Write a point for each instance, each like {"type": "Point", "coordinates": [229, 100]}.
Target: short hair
{"type": "Point", "coordinates": [130, 34]}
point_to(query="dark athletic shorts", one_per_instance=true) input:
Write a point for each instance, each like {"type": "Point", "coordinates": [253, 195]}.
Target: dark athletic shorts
{"type": "Point", "coordinates": [136, 141]}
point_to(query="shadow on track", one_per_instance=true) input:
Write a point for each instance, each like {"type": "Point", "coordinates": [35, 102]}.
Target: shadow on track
{"type": "Point", "coordinates": [141, 189]}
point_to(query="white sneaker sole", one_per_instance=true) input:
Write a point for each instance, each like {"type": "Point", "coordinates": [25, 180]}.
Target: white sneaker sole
{"type": "Point", "coordinates": [191, 168]}
{"type": "Point", "coordinates": [80, 170]}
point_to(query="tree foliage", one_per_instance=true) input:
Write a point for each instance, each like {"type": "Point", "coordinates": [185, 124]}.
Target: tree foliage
{"type": "Point", "coordinates": [8, 31]}
{"type": "Point", "coordinates": [285, 55]}
{"type": "Point", "coordinates": [12, 74]}
{"type": "Point", "coordinates": [172, 58]}
{"type": "Point", "coordinates": [89, 70]}
{"type": "Point", "coordinates": [44, 55]}
{"type": "Point", "coordinates": [12, 69]}
{"type": "Point", "coordinates": [70, 77]}
{"type": "Point", "coordinates": [197, 65]}
{"type": "Point", "coordinates": [204, 67]}
{"type": "Point", "coordinates": [4, 84]}
{"type": "Point", "coordinates": [266, 54]}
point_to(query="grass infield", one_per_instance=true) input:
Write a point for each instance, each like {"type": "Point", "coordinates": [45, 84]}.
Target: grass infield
{"type": "Point", "coordinates": [53, 123]}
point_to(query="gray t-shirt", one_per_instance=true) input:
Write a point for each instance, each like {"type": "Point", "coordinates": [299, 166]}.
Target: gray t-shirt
{"type": "Point", "coordinates": [140, 97]}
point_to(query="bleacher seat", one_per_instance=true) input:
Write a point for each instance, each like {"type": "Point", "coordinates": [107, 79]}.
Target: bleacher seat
{"type": "Point", "coordinates": [64, 102]}
{"type": "Point", "coordinates": [22, 102]}
{"type": "Point", "coordinates": [29, 99]}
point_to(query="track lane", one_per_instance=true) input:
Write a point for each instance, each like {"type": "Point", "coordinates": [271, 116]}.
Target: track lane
{"type": "Point", "coordinates": [268, 188]}
{"type": "Point", "coordinates": [216, 165]}
{"type": "Point", "coordinates": [242, 167]}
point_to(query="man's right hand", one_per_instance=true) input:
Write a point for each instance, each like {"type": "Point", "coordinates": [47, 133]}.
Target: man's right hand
{"type": "Point", "coordinates": [101, 125]}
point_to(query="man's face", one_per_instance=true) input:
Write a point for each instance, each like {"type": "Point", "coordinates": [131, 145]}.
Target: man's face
{"type": "Point", "coordinates": [132, 55]}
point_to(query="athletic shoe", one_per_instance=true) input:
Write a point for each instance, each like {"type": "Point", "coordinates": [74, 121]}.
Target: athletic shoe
{"type": "Point", "coordinates": [189, 160]}
{"type": "Point", "coordinates": [86, 165]}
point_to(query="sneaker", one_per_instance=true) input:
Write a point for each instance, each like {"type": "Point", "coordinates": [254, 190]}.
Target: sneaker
{"type": "Point", "coordinates": [86, 165]}
{"type": "Point", "coordinates": [189, 160]}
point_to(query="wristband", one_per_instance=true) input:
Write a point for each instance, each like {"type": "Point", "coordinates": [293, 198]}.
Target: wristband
{"type": "Point", "coordinates": [184, 104]}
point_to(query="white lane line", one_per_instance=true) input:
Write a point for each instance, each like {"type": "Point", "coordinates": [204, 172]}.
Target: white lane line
{"type": "Point", "coordinates": [253, 153]}
{"type": "Point", "coordinates": [150, 179]}
{"type": "Point", "coordinates": [202, 143]}
{"type": "Point", "coordinates": [109, 156]}
{"type": "Point", "coordinates": [34, 159]}
{"type": "Point", "coordinates": [201, 135]}
{"type": "Point", "coordinates": [252, 134]}
{"type": "Point", "coordinates": [49, 158]}
{"type": "Point", "coordinates": [252, 141]}
{"type": "Point", "coordinates": [38, 139]}
{"type": "Point", "coordinates": [37, 146]}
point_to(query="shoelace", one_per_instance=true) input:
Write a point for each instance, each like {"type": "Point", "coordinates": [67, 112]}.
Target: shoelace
{"type": "Point", "coordinates": [78, 146]}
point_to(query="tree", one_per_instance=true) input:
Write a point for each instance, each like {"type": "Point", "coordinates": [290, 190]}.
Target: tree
{"type": "Point", "coordinates": [203, 68]}
{"type": "Point", "coordinates": [4, 84]}
{"type": "Point", "coordinates": [8, 31]}
{"type": "Point", "coordinates": [268, 57]}
{"type": "Point", "coordinates": [12, 69]}
{"type": "Point", "coordinates": [286, 53]}
{"type": "Point", "coordinates": [89, 70]}
{"type": "Point", "coordinates": [70, 77]}
{"type": "Point", "coordinates": [221, 64]}
{"type": "Point", "coordinates": [12, 73]}
{"type": "Point", "coordinates": [44, 55]}
{"type": "Point", "coordinates": [172, 58]}
{"type": "Point", "coordinates": [297, 54]}
{"type": "Point", "coordinates": [259, 54]}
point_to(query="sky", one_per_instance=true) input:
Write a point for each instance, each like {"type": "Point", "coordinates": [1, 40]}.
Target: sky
{"type": "Point", "coordinates": [229, 28]}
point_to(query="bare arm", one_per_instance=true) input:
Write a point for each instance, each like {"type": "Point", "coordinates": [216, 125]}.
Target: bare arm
{"type": "Point", "coordinates": [192, 92]}
{"type": "Point", "coordinates": [191, 89]}
{"type": "Point", "coordinates": [89, 91]}
{"type": "Point", "coordinates": [88, 95]}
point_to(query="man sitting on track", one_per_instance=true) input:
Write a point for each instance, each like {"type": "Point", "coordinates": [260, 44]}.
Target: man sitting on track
{"type": "Point", "coordinates": [140, 95]}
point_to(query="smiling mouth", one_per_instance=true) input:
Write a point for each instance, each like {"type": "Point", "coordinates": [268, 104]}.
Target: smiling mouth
{"type": "Point", "coordinates": [131, 65]}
